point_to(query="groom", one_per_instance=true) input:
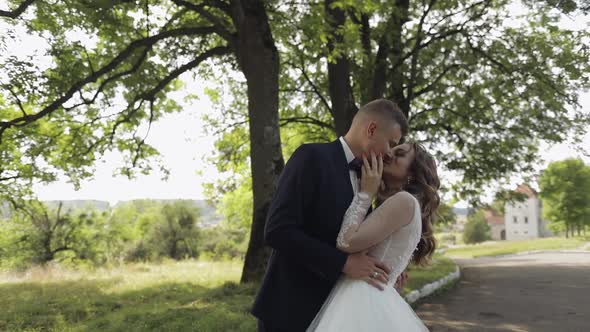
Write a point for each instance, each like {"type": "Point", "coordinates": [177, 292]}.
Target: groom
{"type": "Point", "coordinates": [304, 218]}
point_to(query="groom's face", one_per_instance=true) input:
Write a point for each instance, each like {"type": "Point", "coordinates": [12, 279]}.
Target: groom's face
{"type": "Point", "coordinates": [384, 138]}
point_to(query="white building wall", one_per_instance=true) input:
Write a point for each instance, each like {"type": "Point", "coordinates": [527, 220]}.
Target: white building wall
{"type": "Point", "coordinates": [496, 232]}
{"type": "Point", "coordinates": [528, 223]}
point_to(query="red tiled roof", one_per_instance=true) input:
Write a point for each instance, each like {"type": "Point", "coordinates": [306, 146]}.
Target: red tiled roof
{"type": "Point", "coordinates": [525, 189]}
{"type": "Point", "coordinates": [493, 218]}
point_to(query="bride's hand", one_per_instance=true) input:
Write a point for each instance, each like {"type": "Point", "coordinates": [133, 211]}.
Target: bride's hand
{"type": "Point", "coordinates": [371, 178]}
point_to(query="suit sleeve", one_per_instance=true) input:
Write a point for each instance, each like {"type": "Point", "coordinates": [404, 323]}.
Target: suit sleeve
{"type": "Point", "coordinates": [284, 224]}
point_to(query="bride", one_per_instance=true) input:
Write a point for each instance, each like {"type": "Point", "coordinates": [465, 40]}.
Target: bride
{"type": "Point", "coordinates": [397, 231]}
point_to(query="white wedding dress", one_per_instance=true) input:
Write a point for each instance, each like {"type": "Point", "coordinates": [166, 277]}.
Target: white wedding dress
{"type": "Point", "coordinates": [354, 305]}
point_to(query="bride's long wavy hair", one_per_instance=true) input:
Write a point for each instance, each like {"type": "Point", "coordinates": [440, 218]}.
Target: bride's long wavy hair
{"type": "Point", "coordinates": [424, 184]}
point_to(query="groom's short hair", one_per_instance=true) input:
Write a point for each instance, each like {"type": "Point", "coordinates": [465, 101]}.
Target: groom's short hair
{"type": "Point", "coordinates": [387, 109]}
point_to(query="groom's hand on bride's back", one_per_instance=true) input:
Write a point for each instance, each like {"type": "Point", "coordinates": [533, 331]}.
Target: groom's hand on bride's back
{"type": "Point", "coordinates": [364, 267]}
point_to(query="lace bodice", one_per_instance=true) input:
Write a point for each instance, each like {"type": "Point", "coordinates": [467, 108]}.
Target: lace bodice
{"type": "Point", "coordinates": [392, 231]}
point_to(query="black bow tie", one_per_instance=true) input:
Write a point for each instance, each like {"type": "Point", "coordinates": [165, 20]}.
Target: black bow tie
{"type": "Point", "coordinates": [356, 165]}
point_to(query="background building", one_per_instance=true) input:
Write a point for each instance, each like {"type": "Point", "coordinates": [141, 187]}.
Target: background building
{"type": "Point", "coordinates": [497, 225]}
{"type": "Point", "coordinates": [523, 219]}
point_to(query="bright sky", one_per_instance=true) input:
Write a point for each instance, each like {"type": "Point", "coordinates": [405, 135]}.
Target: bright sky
{"type": "Point", "coordinates": [182, 141]}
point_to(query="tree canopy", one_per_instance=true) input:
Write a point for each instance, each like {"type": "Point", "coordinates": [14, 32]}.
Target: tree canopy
{"type": "Point", "coordinates": [481, 85]}
{"type": "Point", "coordinates": [565, 190]}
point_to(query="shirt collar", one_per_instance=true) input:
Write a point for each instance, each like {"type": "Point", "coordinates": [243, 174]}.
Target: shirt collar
{"type": "Point", "coordinates": [347, 151]}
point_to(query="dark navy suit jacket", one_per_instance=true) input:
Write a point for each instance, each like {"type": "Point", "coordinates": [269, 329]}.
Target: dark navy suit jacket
{"type": "Point", "coordinates": [304, 218]}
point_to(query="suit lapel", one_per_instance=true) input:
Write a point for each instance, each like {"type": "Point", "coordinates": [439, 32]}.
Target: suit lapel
{"type": "Point", "coordinates": [341, 171]}
{"type": "Point", "coordinates": [342, 168]}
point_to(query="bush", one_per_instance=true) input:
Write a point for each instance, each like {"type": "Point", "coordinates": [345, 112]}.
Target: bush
{"type": "Point", "coordinates": [477, 229]}
{"type": "Point", "coordinates": [222, 243]}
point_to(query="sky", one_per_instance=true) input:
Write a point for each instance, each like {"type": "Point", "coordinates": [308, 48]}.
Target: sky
{"type": "Point", "coordinates": [184, 145]}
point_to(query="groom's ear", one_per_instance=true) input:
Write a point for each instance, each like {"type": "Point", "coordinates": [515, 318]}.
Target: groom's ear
{"type": "Point", "coordinates": [371, 128]}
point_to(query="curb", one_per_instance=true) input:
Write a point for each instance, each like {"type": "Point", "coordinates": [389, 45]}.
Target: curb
{"type": "Point", "coordinates": [430, 288]}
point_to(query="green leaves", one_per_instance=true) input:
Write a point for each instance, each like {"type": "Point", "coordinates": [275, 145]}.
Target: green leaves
{"type": "Point", "coordinates": [565, 190]}
{"type": "Point", "coordinates": [476, 229]}
{"type": "Point", "coordinates": [109, 71]}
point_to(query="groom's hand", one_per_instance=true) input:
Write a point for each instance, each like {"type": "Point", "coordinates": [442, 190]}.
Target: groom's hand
{"type": "Point", "coordinates": [364, 267]}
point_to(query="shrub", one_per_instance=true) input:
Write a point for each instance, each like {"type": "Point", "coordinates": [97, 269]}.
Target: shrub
{"type": "Point", "coordinates": [477, 229]}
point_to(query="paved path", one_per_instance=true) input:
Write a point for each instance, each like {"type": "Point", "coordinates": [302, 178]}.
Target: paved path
{"type": "Point", "coordinates": [537, 292]}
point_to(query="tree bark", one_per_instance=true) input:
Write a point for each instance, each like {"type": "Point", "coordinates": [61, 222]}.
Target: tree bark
{"type": "Point", "coordinates": [399, 18]}
{"type": "Point", "coordinates": [258, 59]}
{"type": "Point", "coordinates": [339, 84]}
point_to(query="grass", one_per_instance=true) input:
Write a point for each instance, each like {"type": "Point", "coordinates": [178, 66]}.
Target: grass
{"type": "Point", "coordinates": [171, 296]}
{"type": "Point", "coordinates": [420, 276]}
{"type": "Point", "coordinates": [179, 296]}
{"type": "Point", "coordinates": [511, 247]}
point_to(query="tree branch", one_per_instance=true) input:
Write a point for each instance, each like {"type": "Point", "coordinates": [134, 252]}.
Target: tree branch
{"type": "Point", "coordinates": [414, 63]}
{"type": "Point", "coordinates": [315, 89]}
{"type": "Point", "coordinates": [18, 11]}
{"type": "Point", "coordinates": [432, 85]}
{"type": "Point", "coordinates": [10, 178]}
{"type": "Point", "coordinates": [221, 28]}
{"type": "Point", "coordinates": [114, 63]}
{"type": "Point", "coordinates": [307, 120]}
{"type": "Point", "coordinates": [150, 95]}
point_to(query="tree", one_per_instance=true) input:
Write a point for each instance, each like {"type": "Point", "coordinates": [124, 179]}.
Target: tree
{"type": "Point", "coordinates": [565, 191]}
{"type": "Point", "coordinates": [42, 235]}
{"type": "Point", "coordinates": [566, 6]}
{"type": "Point", "coordinates": [67, 116]}
{"type": "Point", "coordinates": [476, 229]}
{"type": "Point", "coordinates": [473, 88]}
{"type": "Point", "coordinates": [480, 91]}
{"type": "Point", "coordinates": [446, 215]}
{"type": "Point", "coordinates": [129, 227]}
{"type": "Point", "coordinates": [176, 234]}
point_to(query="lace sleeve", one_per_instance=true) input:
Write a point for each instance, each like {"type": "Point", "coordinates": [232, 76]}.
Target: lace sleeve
{"type": "Point", "coordinates": [353, 217]}
{"type": "Point", "coordinates": [396, 212]}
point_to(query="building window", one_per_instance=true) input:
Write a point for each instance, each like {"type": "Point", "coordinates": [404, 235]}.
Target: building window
{"type": "Point", "coordinates": [526, 220]}
{"type": "Point", "coordinates": [515, 220]}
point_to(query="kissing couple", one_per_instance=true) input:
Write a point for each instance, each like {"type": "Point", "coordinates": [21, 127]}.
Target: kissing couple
{"type": "Point", "coordinates": [346, 219]}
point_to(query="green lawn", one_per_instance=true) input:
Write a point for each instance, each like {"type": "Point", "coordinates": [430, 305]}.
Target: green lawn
{"type": "Point", "coordinates": [172, 296]}
{"type": "Point", "coordinates": [420, 276]}
{"type": "Point", "coordinates": [511, 247]}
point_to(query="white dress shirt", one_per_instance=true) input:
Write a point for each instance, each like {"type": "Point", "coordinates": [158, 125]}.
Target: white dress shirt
{"type": "Point", "coordinates": [354, 181]}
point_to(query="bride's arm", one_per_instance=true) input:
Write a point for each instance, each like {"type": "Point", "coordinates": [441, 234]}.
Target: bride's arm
{"type": "Point", "coordinates": [396, 212]}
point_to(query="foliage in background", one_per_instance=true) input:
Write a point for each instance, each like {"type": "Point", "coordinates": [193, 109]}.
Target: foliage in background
{"type": "Point", "coordinates": [479, 85]}
{"type": "Point", "coordinates": [476, 229]}
{"type": "Point", "coordinates": [142, 230]}
{"type": "Point", "coordinates": [565, 192]}
{"type": "Point", "coordinates": [446, 215]}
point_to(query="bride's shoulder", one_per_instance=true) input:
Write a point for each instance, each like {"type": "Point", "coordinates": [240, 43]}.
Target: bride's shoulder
{"type": "Point", "coordinates": [401, 199]}
{"type": "Point", "coordinates": [404, 196]}
{"type": "Point", "coordinates": [402, 205]}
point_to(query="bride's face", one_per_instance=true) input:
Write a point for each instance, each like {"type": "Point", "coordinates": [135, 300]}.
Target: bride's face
{"type": "Point", "coordinates": [398, 168]}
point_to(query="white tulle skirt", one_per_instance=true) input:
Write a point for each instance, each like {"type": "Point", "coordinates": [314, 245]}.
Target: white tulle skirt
{"type": "Point", "coordinates": [354, 305]}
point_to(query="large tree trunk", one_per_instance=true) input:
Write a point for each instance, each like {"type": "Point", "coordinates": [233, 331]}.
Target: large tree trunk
{"type": "Point", "coordinates": [339, 70]}
{"type": "Point", "coordinates": [339, 84]}
{"type": "Point", "coordinates": [259, 61]}
{"type": "Point", "coordinates": [398, 19]}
